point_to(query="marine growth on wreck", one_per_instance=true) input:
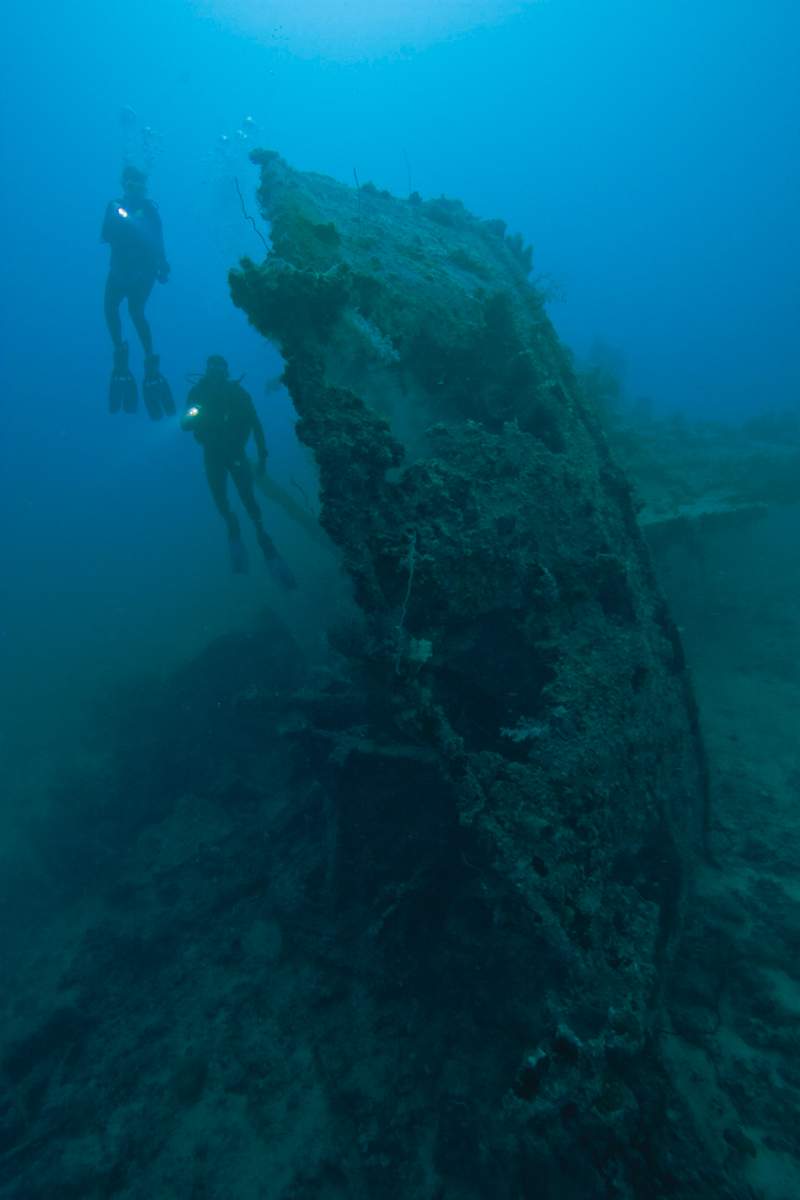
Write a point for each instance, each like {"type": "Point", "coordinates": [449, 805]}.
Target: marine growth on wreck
{"type": "Point", "coordinates": [517, 796]}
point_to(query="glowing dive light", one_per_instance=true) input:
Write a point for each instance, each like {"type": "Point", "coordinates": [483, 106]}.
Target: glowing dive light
{"type": "Point", "coordinates": [123, 212]}
{"type": "Point", "coordinates": [189, 417]}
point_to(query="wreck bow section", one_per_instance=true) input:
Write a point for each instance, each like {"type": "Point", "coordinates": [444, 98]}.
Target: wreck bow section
{"type": "Point", "coordinates": [518, 800]}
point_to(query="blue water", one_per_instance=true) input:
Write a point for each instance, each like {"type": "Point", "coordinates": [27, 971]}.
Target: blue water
{"type": "Point", "coordinates": [648, 151]}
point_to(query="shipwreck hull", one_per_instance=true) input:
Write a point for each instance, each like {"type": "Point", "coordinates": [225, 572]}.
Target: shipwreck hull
{"type": "Point", "coordinates": [512, 815]}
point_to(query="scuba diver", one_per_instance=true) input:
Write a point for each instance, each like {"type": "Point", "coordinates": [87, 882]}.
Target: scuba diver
{"type": "Point", "coordinates": [221, 415]}
{"type": "Point", "coordinates": [132, 227]}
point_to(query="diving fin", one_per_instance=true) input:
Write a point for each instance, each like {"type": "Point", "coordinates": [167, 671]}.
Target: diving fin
{"type": "Point", "coordinates": [238, 551]}
{"type": "Point", "coordinates": [156, 391]}
{"type": "Point", "coordinates": [276, 566]}
{"type": "Point", "coordinates": [122, 392]}
{"type": "Point", "coordinates": [280, 572]}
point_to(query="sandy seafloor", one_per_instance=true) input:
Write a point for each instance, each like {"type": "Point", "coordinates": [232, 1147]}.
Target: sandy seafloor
{"type": "Point", "coordinates": [735, 597]}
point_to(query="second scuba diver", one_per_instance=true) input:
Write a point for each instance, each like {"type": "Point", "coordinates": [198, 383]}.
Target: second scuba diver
{"type": "Point", "coordinates": [222, 417]}
{"type": "Point", "coordinates": [132, 227]}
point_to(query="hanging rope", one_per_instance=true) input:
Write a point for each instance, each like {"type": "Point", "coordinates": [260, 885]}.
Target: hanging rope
{"type": "Point", "coordinates": [247, 216]}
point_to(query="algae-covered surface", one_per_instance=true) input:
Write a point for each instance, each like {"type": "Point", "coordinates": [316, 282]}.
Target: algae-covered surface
{"type": "Point", "coordinates": [466, 910]}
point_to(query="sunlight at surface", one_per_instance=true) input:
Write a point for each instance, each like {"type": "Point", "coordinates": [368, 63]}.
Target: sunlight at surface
{"type": "Point", "coordinates": [353, 29]}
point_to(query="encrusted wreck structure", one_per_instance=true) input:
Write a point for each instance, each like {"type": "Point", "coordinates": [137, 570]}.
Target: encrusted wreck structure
{"type": "Point", "coordinates": [514, 777]}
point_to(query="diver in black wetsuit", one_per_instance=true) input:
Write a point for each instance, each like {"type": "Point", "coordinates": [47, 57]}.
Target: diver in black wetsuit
{"type": "Point", "coordinates": [222, 417]}
{"type": "Point", "coordinates": [132, 227]}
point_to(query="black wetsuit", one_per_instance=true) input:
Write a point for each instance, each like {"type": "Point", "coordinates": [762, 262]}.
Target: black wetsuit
{"type": "Point", "coordinates": [225, 419]}
{"type": "Point", "coordinates": [133, 230]}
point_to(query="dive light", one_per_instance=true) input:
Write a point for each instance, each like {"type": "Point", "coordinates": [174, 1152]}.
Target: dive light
{"type": "Point", "coordinates": [189, 417]}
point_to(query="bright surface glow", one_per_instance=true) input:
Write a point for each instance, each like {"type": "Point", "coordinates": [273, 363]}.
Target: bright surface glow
{"type": "Point", "coordinates": [353, 29]}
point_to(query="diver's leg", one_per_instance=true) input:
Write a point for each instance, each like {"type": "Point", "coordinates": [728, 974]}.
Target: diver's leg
{"type": "Point", "coordinates": [217, 476]}
{"type": "Point", "coordinates": [138, 295]}
{"type": "Point", "coordinates": [122, 392]}
{"type": "Point", "coordinates": [114, 295]}
{"type": "Point", "coordinates": [156, 391]}
{"type": "Point", "coordinates": [242, 475]}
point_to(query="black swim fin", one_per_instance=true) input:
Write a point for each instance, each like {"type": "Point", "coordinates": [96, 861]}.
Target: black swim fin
{"type": "Point", "coordinates": [122, 392]}
{"type": "Point", "coordinates": [239, 562]}
{"type": "Point", "coordinates": [281, 573]}
{"type": "Point", "coordinates": [156, 391]}
{"type": "Point", "coordinates": [276, 566]}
